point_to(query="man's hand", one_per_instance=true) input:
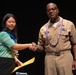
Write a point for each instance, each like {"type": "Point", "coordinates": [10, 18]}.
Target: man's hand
{"type": "Point", "coordinates": [74, 65]}
{"type": "Point", "coordinates": [33, 46]}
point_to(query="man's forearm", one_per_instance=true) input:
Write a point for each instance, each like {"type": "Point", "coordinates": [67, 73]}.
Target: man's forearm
{"type": "Point", "coordinates": [74, 51]}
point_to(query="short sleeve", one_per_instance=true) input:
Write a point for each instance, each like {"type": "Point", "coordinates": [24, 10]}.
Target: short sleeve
{"type": "Point", "coordinates": [6, 40]}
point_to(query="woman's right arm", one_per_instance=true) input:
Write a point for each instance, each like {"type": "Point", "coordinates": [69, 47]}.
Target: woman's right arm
{"type": "Point", "coordinates": [22, 46]}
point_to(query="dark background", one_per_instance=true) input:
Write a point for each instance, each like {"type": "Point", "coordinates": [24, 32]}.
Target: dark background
{"type": "Point", "coordinates": [31, 15]}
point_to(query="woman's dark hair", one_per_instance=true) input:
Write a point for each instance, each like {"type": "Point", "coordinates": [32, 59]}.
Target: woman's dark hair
{"type": "Point", "coordinates": [5, 18]}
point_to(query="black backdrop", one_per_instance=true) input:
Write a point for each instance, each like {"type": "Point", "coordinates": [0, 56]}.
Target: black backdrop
{"type": "Point", "coordinates": [31, 15]}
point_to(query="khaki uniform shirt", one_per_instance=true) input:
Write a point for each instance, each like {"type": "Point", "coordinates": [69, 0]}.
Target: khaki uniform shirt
{"type": "Point", "coordinates": [67, 36]}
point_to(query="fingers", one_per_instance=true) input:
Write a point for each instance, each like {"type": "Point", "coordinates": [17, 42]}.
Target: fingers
{"type": "Point", "coordinates": [33, 46]}
{"type": "Point", "coordinates": [74, 65]}
{"type": "Point", "coordinates": [74, 68]}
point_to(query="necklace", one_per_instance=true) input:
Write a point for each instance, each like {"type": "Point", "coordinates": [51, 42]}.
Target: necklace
{"type": "Point", "coordinates": [53, 45]}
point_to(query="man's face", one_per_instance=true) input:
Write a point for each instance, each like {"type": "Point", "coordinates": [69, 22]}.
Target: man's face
{"type": "Point", "coordinates": [52, 11]}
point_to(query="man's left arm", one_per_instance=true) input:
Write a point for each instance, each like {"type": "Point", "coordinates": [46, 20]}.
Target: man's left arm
{"type": "Point", "coordinates": [74, 52]}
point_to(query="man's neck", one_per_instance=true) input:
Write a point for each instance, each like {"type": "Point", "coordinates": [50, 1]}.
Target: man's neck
{"type": "Point", "coordinates": [55, 20]}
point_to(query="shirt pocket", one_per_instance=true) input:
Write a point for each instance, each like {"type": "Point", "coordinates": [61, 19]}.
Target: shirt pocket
{"type": "Point", "coordinates": [64, 35]}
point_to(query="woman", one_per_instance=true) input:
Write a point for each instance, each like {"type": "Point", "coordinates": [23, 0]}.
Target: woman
{"type": "Point", "coordinates": [9, 45]}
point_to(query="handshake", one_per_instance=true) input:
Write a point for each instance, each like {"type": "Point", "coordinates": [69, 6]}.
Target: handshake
{"type": "Point", "coordinates": [33, 46]}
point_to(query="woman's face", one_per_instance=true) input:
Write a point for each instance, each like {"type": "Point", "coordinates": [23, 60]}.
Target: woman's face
{"type": "Point", "coordinates": [11, 23]}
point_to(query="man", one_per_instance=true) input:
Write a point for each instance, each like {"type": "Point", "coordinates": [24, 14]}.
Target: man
{"type": "Point", "coordinates": [56, 38]}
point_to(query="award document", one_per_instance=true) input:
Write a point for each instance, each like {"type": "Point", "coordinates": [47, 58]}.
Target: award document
{"type": "Point", "coordinates": [24, 64]}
